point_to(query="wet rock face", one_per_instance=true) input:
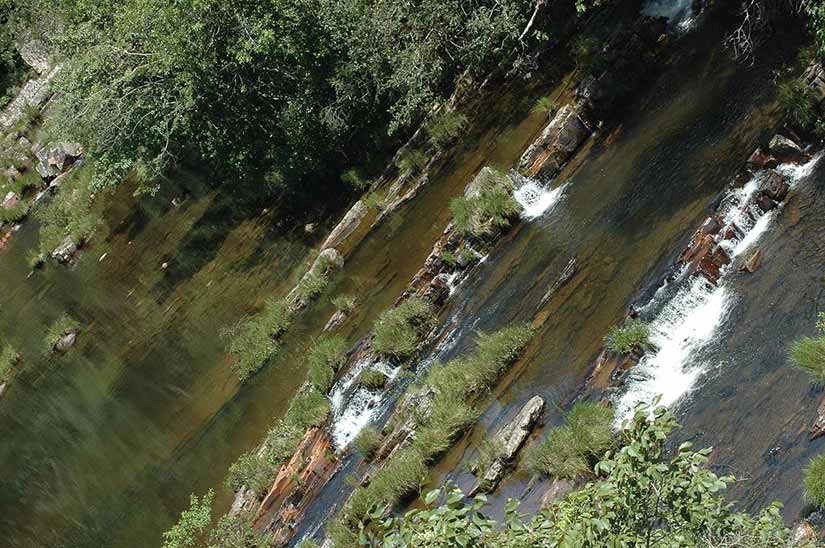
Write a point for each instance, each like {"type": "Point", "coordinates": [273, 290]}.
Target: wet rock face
{"type": "Point", "coordinates": [761, 159]}
{"type": "Point", "coordinates": [508, 441]}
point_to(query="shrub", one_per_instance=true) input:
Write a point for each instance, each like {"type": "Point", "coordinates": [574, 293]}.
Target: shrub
{"type": "Point", "coordinates": [591, 425]}
{"type": "Point", "coordinates": [64, 325]}
{"type": "Point", "coordinates": [401, 476]}
{"type": "Point", "coordinates": [9, 358]}
{"type": "Point", "coordinates": [255, 338]}
{"type": "Point", "coordinates": [353, 178]}
{"type": "Point", "coordinates": [411, 160]}
{"type": "Point", "coordinates": [325, 357]}
{"type": "Point", "coordinates": [308, 408]}
{"type": "Point", "coordinates": [69, 213]}
{"type": "Point", "coordinates": [545, 104]}
{"type": "Point", "coordinates": [814, 479]}
{"type": "Point", "coordinates": [372, 379]}
{"type": "Point", "coordinates": [237, 532]}
{"type": "Point", "coordinates": [397, 330]}
{"type": "Point", "coordinates": [315, 280]}
{"type": "Point", "coordinates": [489, 207]}
{"type": "Point", "coordinates": [250, 470]}
{"type": "Point", "coordinates": [14, 213]}
{"type": "Point", "coordinates": [192, 524]}
{"type": "Point", "coordinates": [633, 335]}
{"type": "Point", "coordinates": [344, 303]}
{"type": "Point", "coordinates": [445, 128]}
{"type": "Point", "coordinates": [368, 441]}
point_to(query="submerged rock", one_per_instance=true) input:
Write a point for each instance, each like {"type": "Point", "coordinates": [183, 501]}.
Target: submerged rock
{"type": "Point", "coordinates": [65, 342]}
{"type": "Point", "coordinates": [761, 159]}
{"type": "Point", "coordinates": [818, 427]}
{"type": "Point", "coordinates": [65, 251]}
{"type": "Point", "coordinates": [508, 441]}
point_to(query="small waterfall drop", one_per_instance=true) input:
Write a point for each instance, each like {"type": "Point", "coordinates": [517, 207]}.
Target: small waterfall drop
{"type": "Point", "coordinates": [679, 13]}
{"type": "Point", "coordinates": [534, 198]}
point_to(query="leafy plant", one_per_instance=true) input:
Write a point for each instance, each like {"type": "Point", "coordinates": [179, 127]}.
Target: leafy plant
{"type": "Point", "coordinates": [70, 213]}
{"type": "Point", "coordinates": [545, 104]}
{"type": "Point", "coordinates": [353, 178]}
{"type": "Point", "coordinates": [634, 335]}
{"type": "Point", "coordinates": [235, 531]}
{"type": "Point", "coordinates": [397, 330]}
{"type": "Point", "coordinates": [255, 338]}
{"type": "Point", "coordinates": [448, 258]}
{"type": "Point", "coordinates": [324, 358]}
{"type": "Point", "coordinates": [368, 441]}
{"type": "Point", "coordinates": [191, 526]}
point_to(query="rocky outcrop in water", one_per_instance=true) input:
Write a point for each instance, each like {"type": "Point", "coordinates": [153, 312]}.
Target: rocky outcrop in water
{"type": "Point", "coordinates": [507, 442]}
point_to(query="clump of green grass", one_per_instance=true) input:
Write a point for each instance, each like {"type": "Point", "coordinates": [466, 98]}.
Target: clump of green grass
{"type": "Point", "coordinates": [397, 330]}
{"type": "Point", "coordinates": [9, 358]}
{"type": "Point", "coordinates": [411, 160]}
{"type": "Point", "coordinates": [28, 179]}
{"type": "Point", "coordinates": [448, 258]}
{"type": "Point", "coordinates": [808, 353]}
{"type": "Point", "coordinates": [256, 469]}
{"type": "Point", "coordinates": [15, 213]}
{"type": "Point", "coordinates": [634, 335]}
{"type": "Point", "coordinates": [64, 325]}
{"type": "Point", "coordinates": [814, 479]}
{"type": "Point", "coordinates": [372, 379]}
{"type": "Point", "coordinates": [354, 178]}
{"type": "Point", "coordinates": [368, 441]}
{"type": "Point", "coordinates": [445, 128]}
{"type": "Point", "coordinates": [343, 303]}
{"type": "Point", "coordinates": [255, 338]}
{"type": "Point", "coordinates": [307, 543]}
{"type": "Point", "coordinates": [489, 451]}
{"type": "Point", "coordinates": [571, 450]}
{"type": "Point", "coordinates": [545, 104]}
{"type": "Point", "coordinates": [489, 208]}
{"type": "Point", "coordinates": [797, 100]}
{"type": "Point", "coordinates": [35, 259]}
{"type": "Point", "coordinates": [315, 281]}
{"type": "Point", "coordinates": [325, 357]}
{"type": "Point", "coordinates": [70, 212]}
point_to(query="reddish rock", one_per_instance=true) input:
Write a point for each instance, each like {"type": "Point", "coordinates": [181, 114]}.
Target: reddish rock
{"type": "Point", "coordinates": [774, 186]}
{"type": "Point", "coordinates": [764, 202]}
{"type": "Point", "coordinates": [762, 159]}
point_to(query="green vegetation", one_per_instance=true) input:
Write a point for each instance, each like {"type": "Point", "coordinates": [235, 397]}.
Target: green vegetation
{"type": "Point", "coordinates": [368, 441]}
{"type": "Point", "coordinates": [35, 259]}
{"type": "Point", "coordinates": [14, 213]}
{"type": "Point", "coordinates": [69, 213]}
{"type": "Point", "coordinates": [308, 543]}
{"type": "Point", "coordinates": [9, 358]}
{"type": "Point", "coordinates": [489, 450]}
{"type": "Point", "coordinates": [257, 468]}
{"type": "Point", "coordinates": [63, 325]}
{"type": "Point", "coordinates": [454, 387]}
{"type": "Point", "coordinates": [315, 280]}
{"type": "Point", "coordinates": [324, 359]}
{"type": "Point", "coordinates": [808, 353]}
{"type": "Point", "coordinates": [445, 128]}
{"type": "Point", "coordinates": [147, 82]}
{"type": "Point", "coordinates": [397, 330]}
{"type": "Point", "coordinates": [448, 258]}
{"type": "Point", "coordinates": [28, 179]}
{"type": "Point", "coordinates": [343, 303]}
{"type": "Point", "coordinates": [372, 379]}
{"type": "Point", "coordinates": [353, 178]}
{"type": "Point", "coordinates": [643, 497]}
{"type": "Point", "coordinates": [192, 524]}
{"type": "Point", "coordinates": [488, 208]}
{"type": "Point", "coordinates": [572, 449]}
{"type": "Point", "coordinates": [815, 480]}
{"type": "Point", "coordinates": [545, 105]}
{"type": "Point", "coordinates": [633, 336]}
{"type": "Point", "coordinates": [255, 338]}
{"type": "Point", "coordinates": [411, 160]}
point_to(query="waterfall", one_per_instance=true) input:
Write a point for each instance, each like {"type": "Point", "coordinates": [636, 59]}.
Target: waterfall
{"type": "Point", "coordinates": [690, 310]}
{"type": "Point", "coordinates": [679, 13]}
{"type": "Point", "coordinates": [534, 198]}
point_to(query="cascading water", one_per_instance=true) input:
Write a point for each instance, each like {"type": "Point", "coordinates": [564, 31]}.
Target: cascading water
{"type": "Point", "coordinates": [679, 13]}
{"type": "Point", "coordinates": [687, 312]}
{"type": "Point", "coordinates": [534, 198]}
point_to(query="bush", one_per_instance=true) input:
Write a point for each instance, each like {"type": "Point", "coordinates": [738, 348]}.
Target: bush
{"type": "Point", "coordinates": [14, 213]}
{"type": "Point", "coordinates": [64, 325]}
{"type": "Point", "coordinates": [814, 479]}
{"type": "Point", "coordinates": [570, 450]}
{"type": "Point", "coordinates": [368, 441]}
{"type": "Point", "coordinates": [325, 357]}
{"type": "Point", "coordinates": [255, 338]}
{"type": "Point", "coordinates": [9, 358]}
{"type": "Point", "coordinates": [192, 524]}
{"type": "Point", "coordinates": [315, 281]}
{"type": "Point", "coordinates": [634, 335]}
{"type": "Point", "coordinates": [445, 128]}
{"type": "Point", "coordinates": [796, 99]}
{"type": "Point", "coordinates": [308, 408]}
{"type": "Point", "coordinates": [237, 532]}
{"type": "Point", "coordinates": [344, 303]}
{"type": "Point", "coordinates": [490, 207]}
{"type": "Point", "coordinates": [353, 178]}
{"type": "Point", "coordinates": [397, 330]}
{"type": "Point", "coordinates": [411, 160]}
{"type": "Point", "coordinates": [372, 379]}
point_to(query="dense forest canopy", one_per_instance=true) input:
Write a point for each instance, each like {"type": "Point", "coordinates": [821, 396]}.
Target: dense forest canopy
{"type": "Point", "coordinates": [274, 89]}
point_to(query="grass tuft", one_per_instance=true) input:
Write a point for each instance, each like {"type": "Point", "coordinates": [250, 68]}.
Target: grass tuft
{"type": "Point", "coordinates": [64, 325]}
{"type": "Point", "coordinates": [254, 339]}
{"type": "Point", "coordinates": [368, 441]}
{"type": "Point", "coordinates": [633, 335]}
{"type": "Point", "coordinates": [814, 479]}
{"type": "Point", "coordinates": [397, 330]}
{"type": "Point", "coordinates": [490, 208]}
{"type": "Point", "coordinates": [9, 358]}
{"type": "Point", "coordinates": [325, 357]}
{"type": "Point", "coordinates": [808, 353]}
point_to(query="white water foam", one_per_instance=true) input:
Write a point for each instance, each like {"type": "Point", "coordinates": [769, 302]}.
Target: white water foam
{"type": "Point", "coordinates": [679, 13]}
{"type": "Point", "coordinates": [684, 325]}
{"type": "Point", "coordinates": [535, 199]}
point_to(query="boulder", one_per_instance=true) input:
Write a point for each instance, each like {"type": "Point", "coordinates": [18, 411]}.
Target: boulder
{"type": "Point", "coordinates": [761, 159]}
{"type": "Point", "coordinates": [35, 54]}
{"type": "Point", "coordinates": [335, 321]}
{"type": "Point", "coordinates": [10, 200]}
{"type": "Point", "coordinates": [557, 490]}
{"type": "Point", "coordinates": [785, 150]}
{"type": "Point", "coordinates": [752, 264]}
{"type": "Point", "coordinates": [347, 225]}
{"type": "Point", "coordinates": [65, 251]}
{"type": "Point", "coordinates": [818, 426]}
{"type": "Point", "coordinates": [564, 134]}
{"type": "Point", "coordinates": [63, 155]}
{"type": "Point", "coordinates": [802, 532]}
{"type": "Point", "coordinates": [774, 186]}
{"type": "Point", "coordinates": [439, 289]}
{"type": "Point", "coordinates": [65, 342]}
{"type": "Point", "coordinates": [508, 441]}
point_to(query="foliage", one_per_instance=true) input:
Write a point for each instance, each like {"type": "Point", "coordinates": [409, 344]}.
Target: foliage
{"type": "Point", "coordinates": [489, 451]}
{"type": "Point", "coordinates": [315, 280]}
{"type": "Point", "coordinates": [570, 450]}
{"type": "Point", "coordinates": [490, 207]}
{"type": "Point", "coordinates": [353, 178]}
{"type": "Point", "coordinates": [14, 213]}
{"type": "Point", "coordinates": [397, 330]}
{"type": "Point", "coordinates": [35, 259]}
{"type": "Point", "coordinates": [445, 128]}
{"type": "Point", "coordinates": [9, 358]}
{"type": "Point", "coordinates": [448, 258]}
{"type": "Point", "coordinates": [808, 353]}
{"type": "Point", "coordinates": [372, 379]}
{"type": "Point", "coordinates": [632, 336]}
{"type": "Point", "coordinates": [325, 356]}
{"type": "Point", "coordinates": [367, 441]}
{"type": "Point", "coordinates": [545, 105]}
{"type": "Point", "coordinates": [307, 543]}
{"type": "Point", "coordinates": [236, 532]}
{"type": "Point", "coordinates": [70, 212]}
{"type": "Point", "coordinates": [255, 338]}
{"type": "Point", "coordinates": [797, 100]}
{"type": "Point", "coordinates": [411, 160]}
{"type": "Point", "coordinates": [643, 498]}
{"type": "Point", "coordinates": [815, 480]}
{"type": "Point", "coordinates": [815, 10]}
{"type": "Point", "coordinates": [63, 325]}
{"type": "Point", "coordinates": [343, 303]}
{"type": "Point", "coordinates": [192, 524]}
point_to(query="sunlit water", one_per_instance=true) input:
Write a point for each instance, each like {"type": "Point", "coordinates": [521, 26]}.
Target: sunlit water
{"type": "Point", "coordinates": [536, 199]}
{"type": "Point", "coordinates": [679, 13]}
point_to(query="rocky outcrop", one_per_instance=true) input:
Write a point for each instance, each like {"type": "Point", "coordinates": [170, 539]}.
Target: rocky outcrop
{"type": "Point", "coordinates": [347, 225]}
{"type": "Point", "coordinates": [567, 130]}
{"type": "Point", "coordinates": [785, 150]}
{"type": "Point", "coordinates": [65, 252]}
{"type": "Point", "coordinates": [33, 94]}
{"type": "Point", "coordinates": [35, 54]}
{"type": "Point", "coordinates": [65, 342]}
{"type": "Point", "coordinates": [327, 261]}
{"type": "Point", "coordinates": [507, 442]}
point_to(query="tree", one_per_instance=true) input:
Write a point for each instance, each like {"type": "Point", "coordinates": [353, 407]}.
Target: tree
{"type": "Point", "coordinates": [192, 524]}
